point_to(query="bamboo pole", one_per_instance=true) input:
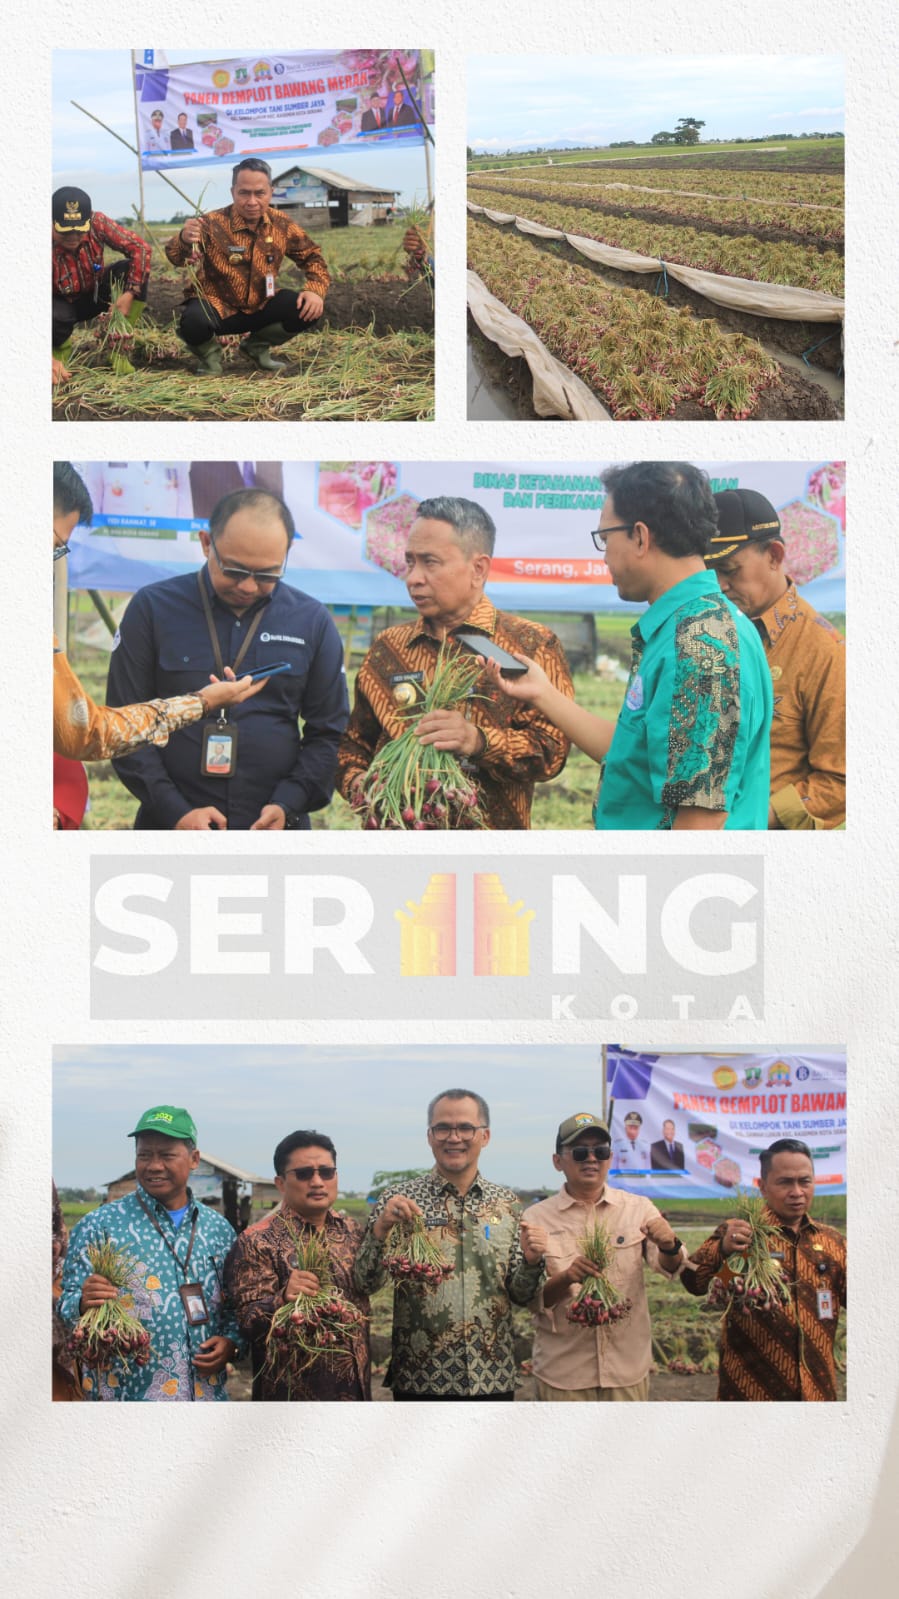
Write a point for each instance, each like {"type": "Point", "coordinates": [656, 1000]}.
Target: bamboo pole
{"type": "Point", "coordinates": [194, 204]}
{"type": "Point", "coordinates": [101, 607]}
{"type": "Point", "coordinates": [140, 169]}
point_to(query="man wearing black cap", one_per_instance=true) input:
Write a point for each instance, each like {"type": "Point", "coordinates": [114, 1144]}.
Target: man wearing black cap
{"type": "Point", "coordinates": [610, 1362]}
{"type": "Point", "coordinates": [807, 660]}
{"type": "Point", "coordinates": [82, 285]}
{"type": "Point", "coordinates": [172, 1255]}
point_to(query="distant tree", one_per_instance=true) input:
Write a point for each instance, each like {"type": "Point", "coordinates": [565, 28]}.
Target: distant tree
{"type": "Point", "coordinates": [664, 138]}
{"type": "Point", "coordinates": [469, 153]}
{"type": "Point", "coordinates": [623, 144]}
{"type": "Point", "coordinates": [687, 130]}
{"type": "Point", "coordinates": [393, 1179]}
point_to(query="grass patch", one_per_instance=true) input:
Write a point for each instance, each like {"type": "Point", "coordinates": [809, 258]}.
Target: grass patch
{"type": "Point", "coordinates": [789, 152]}
{"type": "Point", "coordinates": [347, 375]}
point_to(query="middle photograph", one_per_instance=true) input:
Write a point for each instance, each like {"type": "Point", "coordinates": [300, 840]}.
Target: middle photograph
{"type": "Point", "coordinates": [261, 645]}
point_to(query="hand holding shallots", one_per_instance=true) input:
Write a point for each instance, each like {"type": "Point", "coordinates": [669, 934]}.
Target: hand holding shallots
{"type": "Point", "coordinates": [416, 781]}
{"type": "Point", "coordinates": [106, 1332]}
{"type": "Point", "coordinates": [599, 1301]}
{"type": "Point", "coordinates": [311, 1327]}
{"type": "Point", "coordinates": [751, 1279]}
{"type": "Point", "coordinates": [412, 1258]}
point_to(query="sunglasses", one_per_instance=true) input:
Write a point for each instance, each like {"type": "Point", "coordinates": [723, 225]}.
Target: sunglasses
{"type": "Point", "coordinates": [305, 1174]}
{"type": "Point", "coordinates": [239, 574]}
{"type": "Point", "coordinates": [582, 1152]}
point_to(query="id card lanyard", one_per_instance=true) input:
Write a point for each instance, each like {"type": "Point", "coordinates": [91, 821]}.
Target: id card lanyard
{"type": "Point", "coordinates": [218, 742]}
{"type": "Point", "coordinates": [192, 1295]}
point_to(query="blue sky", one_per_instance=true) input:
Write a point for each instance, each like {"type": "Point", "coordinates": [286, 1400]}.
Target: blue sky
{"type": "Point", "coordinates": [91, 159]}
{"type": "Point", "coordinates": [373, 1103]}
{"type": "Point", "coordinates": [596, 99]}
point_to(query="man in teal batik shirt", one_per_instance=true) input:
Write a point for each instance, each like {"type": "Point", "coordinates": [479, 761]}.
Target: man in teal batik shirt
{"type": "Point", "coordinates": [691, 747]}
{"type": "Point", "coordinates": [173, 1244]}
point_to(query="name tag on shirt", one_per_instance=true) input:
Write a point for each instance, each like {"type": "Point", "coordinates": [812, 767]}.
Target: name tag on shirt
{"type": "Point", "coordinates": [825, 1304]}
{"type": "Point", "coordinates": [270, 285]}
{"type": "Point", "coordinates": [408, 688]}
{"type": "Point", "coordinates": [194, 1301]}
{"type": "Point", "coordinates": [218, 749]}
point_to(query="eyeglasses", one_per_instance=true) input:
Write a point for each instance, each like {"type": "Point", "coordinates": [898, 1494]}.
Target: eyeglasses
{"type": "Point", "coordinates": [464, 1130]}
{"type": "Point", "coordinates": [600, 536]}
{"type": "Point", "coordinates": [305, 1174]}
{"type": "Point", "coordinates": [239, 574]}
{"type": "Point", "coordinates": [582, 1152]}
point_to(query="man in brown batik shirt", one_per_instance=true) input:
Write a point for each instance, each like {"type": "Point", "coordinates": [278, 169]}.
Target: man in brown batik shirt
{"type": "Point", "coordinates": [806, 658]}
{"type": "Point", "coordinates": [508, 746]}
{"type": "Point", "coordinates": [261, 1272]}
{"type": "Point", "coordinates": [785, 1352]}
{"type": "Point", "coordinates": [236, 254]}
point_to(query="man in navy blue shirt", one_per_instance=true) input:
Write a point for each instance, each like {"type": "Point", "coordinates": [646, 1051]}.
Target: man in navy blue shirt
{"type": "Point", "coordinates": [251, 769]}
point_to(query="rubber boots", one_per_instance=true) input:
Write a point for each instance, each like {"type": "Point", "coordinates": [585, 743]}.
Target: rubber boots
{"type": "Point", "coordinates": [209, 358]}
{"type": "Point", "coordinates": [257, 346]}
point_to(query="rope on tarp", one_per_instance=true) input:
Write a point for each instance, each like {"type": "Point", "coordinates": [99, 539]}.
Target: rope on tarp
{"type": "Point", "coordinates": [660, 280]}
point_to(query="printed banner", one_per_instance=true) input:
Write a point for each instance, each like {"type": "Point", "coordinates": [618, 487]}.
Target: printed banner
{"type": "Point", "coordinates": [353, 520]}
{"type": "Point", "coordinates": [692, 1126]}
{"type": "Point", "coordinates": [217, 111]}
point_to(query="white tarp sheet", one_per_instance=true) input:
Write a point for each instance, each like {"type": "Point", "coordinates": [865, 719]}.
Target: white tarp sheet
{"type": "Point", "coordinates": [557, 392]}
{"type": "Point", "coordinates": [779, 300]}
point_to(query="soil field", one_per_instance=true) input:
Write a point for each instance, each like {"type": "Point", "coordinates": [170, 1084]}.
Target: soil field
{"type": "Point", "coordinates": [703, 224]}
{"type": "Point", "coordinates": [371, 358]}
{"type": "Point", "coordinates": [830, 161]}
{"type": "Point", "coordinates": [390, 304]}
{"type": "Point", "coordinates": [665, 1386]}
{"type": "Point", "coordinates": [789, 397]}
{"type": "Point", "coordinates": [792, 337]}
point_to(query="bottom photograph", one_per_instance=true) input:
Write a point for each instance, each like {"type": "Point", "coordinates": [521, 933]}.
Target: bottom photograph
{"type": "Point", "coordinates": [521, 1224]}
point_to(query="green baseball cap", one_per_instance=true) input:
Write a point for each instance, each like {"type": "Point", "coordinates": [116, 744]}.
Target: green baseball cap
{"type": "Point", "coordinates": [172, 1120]}
{"type": "Point", "coordinates": [582, 1122]}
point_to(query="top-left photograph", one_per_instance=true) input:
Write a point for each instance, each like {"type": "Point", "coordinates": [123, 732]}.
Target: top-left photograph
{"type": "Point", "coordinates": [244, 238]}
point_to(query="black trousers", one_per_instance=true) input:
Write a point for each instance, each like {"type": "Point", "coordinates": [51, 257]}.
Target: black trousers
{"type": "Point", "coordinates": [68, 313]}
{"type": "Point", "coordinates": [400, 1394]}
{"type": "Point", "coordinates": [200, 322]}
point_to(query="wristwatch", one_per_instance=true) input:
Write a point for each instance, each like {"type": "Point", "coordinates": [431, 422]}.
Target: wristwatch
{"type": "Point", "coordinates": [675, 1249]}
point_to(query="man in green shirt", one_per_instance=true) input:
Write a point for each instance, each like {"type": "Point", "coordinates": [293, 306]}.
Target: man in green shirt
{"type": "Point", "coordinates": [690, 749]}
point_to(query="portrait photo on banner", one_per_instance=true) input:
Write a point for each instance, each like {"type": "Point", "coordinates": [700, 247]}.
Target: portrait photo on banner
{"type": "Point", "coordinates": [585, 1223]}
{"type": "Point", "coordinates": [444, 646]}
{"type": "Point", "coordinates": [204, 267]}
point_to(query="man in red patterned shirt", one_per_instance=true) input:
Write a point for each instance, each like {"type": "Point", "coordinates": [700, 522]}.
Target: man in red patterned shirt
{"type": "Point", "coordinates": [82, 285]}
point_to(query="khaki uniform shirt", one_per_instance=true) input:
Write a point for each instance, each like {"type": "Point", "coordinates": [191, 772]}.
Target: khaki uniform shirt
{"type": "Point", "coordinates": [567, 1355]}
{"type": "Point", "coordinates": [807, 659]}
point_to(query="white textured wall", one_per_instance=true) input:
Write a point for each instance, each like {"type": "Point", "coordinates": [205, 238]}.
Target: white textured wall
{"type": "Point", "coordinates": [347, 1501]}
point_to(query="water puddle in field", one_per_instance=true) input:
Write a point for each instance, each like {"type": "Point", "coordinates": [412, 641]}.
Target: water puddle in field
{"type": "Point", "coordinates": [488, 401]}
{"type": "Point", "coordinates": [828, 381]}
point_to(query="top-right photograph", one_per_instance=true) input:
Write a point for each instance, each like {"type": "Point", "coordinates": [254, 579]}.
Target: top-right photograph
{"type": "Point", "coordinates": [654, 237]}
